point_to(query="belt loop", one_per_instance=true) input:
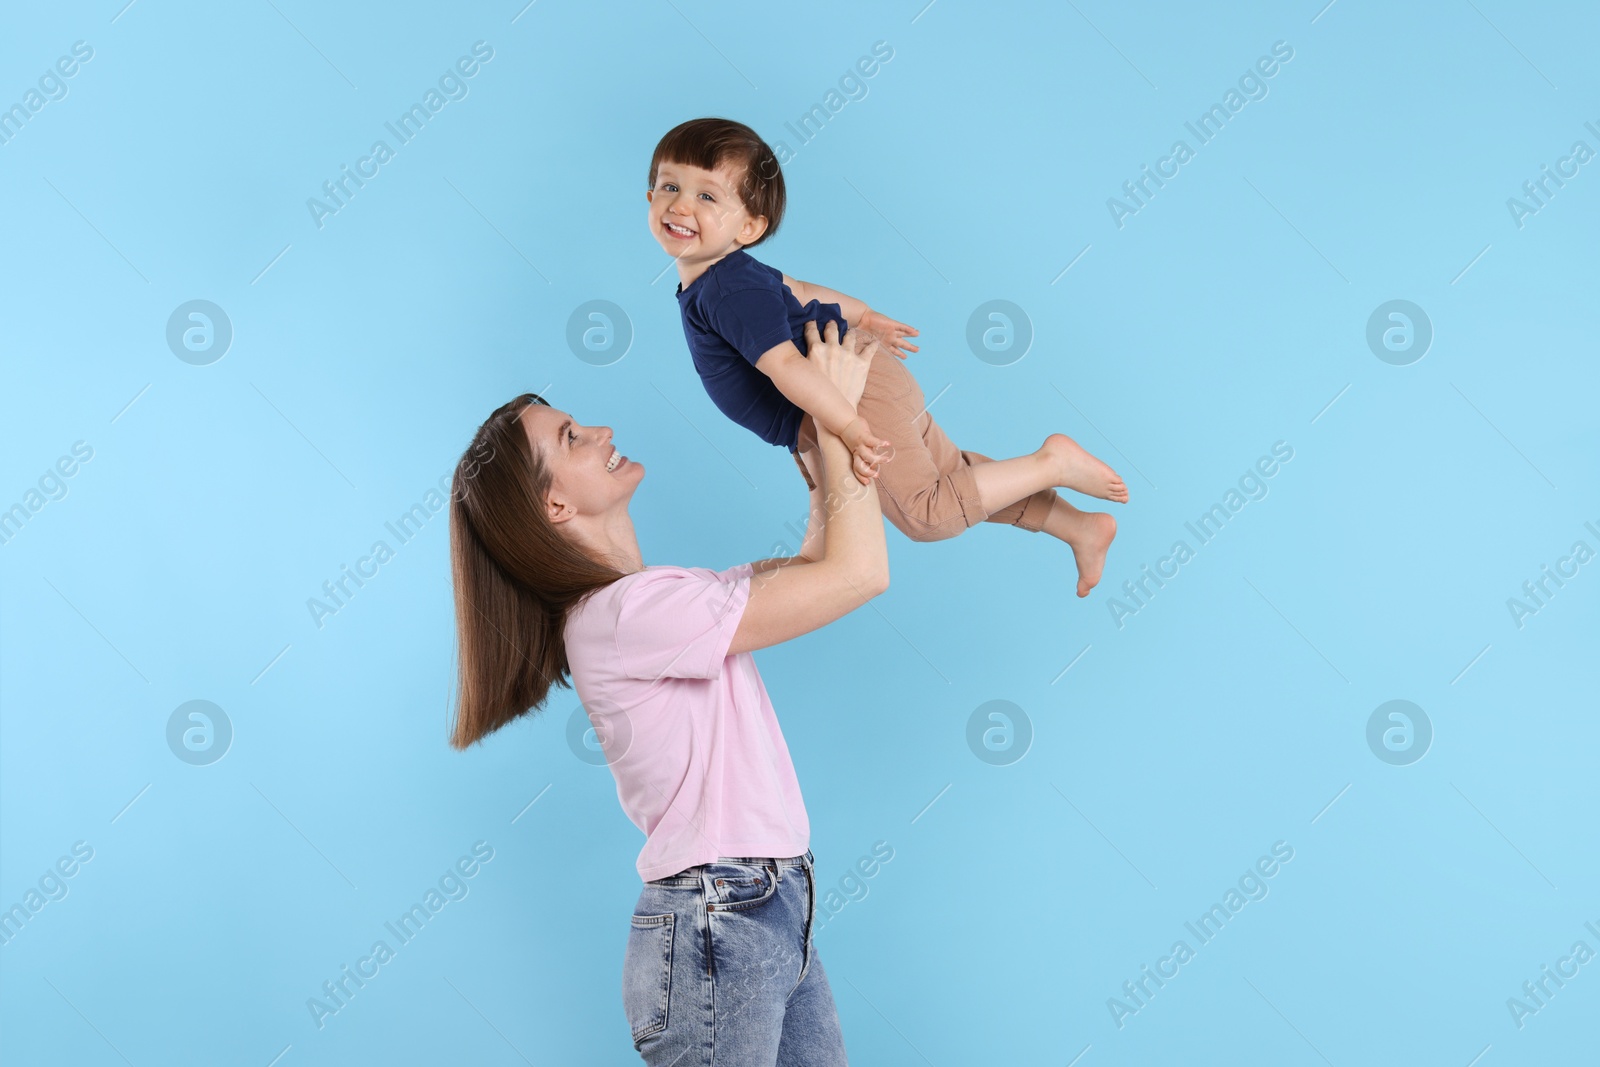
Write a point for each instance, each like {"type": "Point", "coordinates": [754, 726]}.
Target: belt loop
{"type": "Point", "coordinates": [777, 873]}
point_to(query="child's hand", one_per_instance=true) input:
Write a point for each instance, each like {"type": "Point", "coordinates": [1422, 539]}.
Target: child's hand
{"type": "Point", "coordinates": [891, 333]}
{"type": "Point", "coordinates": [867, 449]}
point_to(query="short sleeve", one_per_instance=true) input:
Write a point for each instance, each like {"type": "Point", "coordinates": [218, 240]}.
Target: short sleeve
{"type": "Point", "coordinates": [677, 622]}
{"type": "Point", "coordinates": [753, 321]}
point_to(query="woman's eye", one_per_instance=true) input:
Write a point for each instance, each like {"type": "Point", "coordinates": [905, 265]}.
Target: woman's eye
{"type": "Point", "coordinates": [571, 437]}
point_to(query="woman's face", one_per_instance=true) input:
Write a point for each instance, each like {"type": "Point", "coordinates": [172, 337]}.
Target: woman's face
{"type": "Point", "coordinates": [583, 480]}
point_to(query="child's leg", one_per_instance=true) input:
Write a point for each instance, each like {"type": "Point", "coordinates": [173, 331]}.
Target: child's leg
{"type": "Point", "coordinates": [1031, 513]}
{"type": "Point", "coordinates": [1059, 461]}
{"type": "Point", "coordinates": [1087, 533]}
{"type": "Point", "coordinates": [930, 491]}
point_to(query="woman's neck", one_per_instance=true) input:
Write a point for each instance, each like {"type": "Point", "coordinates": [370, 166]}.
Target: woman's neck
{"type": "Point", "coordinates": [611, 538]}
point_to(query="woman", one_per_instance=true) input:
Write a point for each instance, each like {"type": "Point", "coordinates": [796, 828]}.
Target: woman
{"type": "Point", "coordinates": [549, 580]}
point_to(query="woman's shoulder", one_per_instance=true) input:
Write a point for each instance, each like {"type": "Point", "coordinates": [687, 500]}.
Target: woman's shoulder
{"type": "Point", "coordinates": [658, 573]}
{"type": "Point", "coordinates": [663, 606]}
{"type": "Point", "coordinates": [655, 576]}
{"type": "Point", "coordinates": [669, 587]}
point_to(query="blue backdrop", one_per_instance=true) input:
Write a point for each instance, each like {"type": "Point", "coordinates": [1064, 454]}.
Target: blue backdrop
{"type": "Point", "coordinates": [232, 369]}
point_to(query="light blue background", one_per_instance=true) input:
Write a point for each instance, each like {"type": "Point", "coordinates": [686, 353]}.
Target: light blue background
{"type": "Point", "coordinates": [1229, 714]}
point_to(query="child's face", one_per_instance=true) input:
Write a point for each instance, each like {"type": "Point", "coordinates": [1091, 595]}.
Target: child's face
{"type": "Point", "coordinates": [696, 214]}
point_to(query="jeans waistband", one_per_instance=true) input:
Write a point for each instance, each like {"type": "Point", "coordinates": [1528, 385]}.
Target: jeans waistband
{"type": "Point", "coordinates": [777, 863]}
{"type": "Point", "coordinates": [766, 861]}
{"type": "Point", "coordinates": [690, 877]}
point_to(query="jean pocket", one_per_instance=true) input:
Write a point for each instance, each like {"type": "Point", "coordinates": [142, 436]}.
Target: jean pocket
{"type": "Point", "coordinates": [737, 886]}
{"type": "Point", "coordinates": [647, 975]}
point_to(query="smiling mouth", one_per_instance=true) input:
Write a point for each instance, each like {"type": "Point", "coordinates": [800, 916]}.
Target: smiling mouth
{"type": "Point", "coordinates": [678, 231]}
{"type": "Point", "coordinates": [617, 459]}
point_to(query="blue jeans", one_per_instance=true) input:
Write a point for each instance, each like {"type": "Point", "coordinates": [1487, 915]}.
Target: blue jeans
{"type": "Point", "coordinates": [720, 969]}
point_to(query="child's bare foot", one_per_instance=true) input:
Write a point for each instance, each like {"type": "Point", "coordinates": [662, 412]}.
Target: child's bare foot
{"type": "Point", "coordinates": [1092, 536]}
{"type": "Point", "coordinates": [1078, 470]}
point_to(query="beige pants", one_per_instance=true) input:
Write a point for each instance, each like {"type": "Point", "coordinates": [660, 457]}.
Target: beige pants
{"type": "Point", "coordinates": [927, 488]}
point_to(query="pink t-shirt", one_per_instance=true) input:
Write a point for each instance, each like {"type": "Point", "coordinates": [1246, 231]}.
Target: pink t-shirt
{"type": "Point", "coordinates": [687, 729]}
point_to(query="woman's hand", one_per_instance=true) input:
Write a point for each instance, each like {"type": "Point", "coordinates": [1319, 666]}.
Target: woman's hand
{"type": "Point", "coordinates": [847, 369]}
{"type": "Point", "coordinates": [892, 333]}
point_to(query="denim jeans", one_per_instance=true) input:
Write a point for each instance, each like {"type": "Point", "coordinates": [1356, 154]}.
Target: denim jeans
{"type": "Point", "coordinates": [720, 969]}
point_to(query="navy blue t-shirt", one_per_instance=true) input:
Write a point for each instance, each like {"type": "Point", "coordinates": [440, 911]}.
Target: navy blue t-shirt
{"type": "Point", "coordinates": [732, 314]}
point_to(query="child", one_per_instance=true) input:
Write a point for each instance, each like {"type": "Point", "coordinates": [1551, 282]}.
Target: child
{"type": "Point", "coordinates": [716, 190]}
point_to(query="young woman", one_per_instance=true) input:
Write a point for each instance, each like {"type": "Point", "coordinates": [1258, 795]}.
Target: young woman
{"type": "Point", "coordinates": [549, 581]}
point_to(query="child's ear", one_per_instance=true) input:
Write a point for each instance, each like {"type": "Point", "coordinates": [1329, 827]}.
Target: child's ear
{"type": "Point", "coordinates": [752, 230]}
{"type": "Point", "coordinates": [649, 196]}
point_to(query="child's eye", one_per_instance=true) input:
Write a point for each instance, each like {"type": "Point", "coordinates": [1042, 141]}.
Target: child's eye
{"type": "Point", "coordinates": [709, 197]}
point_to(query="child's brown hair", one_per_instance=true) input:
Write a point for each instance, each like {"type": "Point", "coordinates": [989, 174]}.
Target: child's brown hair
{"type": "Point", "coordinates": [710, 143]}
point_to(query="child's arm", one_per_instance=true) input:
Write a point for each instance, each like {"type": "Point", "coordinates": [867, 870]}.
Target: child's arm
{"type": "Point", "coordinates": [857, 315]}
{"type": "Point", "coordinates": [813, 391]}
{"type": "Point", "coordinates": [805, 292]}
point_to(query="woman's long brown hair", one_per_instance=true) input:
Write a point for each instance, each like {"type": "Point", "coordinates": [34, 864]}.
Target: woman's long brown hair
{"type": "Point", "coordinates": [515, 576]}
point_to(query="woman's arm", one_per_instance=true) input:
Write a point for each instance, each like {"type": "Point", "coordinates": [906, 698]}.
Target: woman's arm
{"type": "Point", "coordinates": [797, 596]}
{"type": "Point", "coordinates": [810, 550]}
